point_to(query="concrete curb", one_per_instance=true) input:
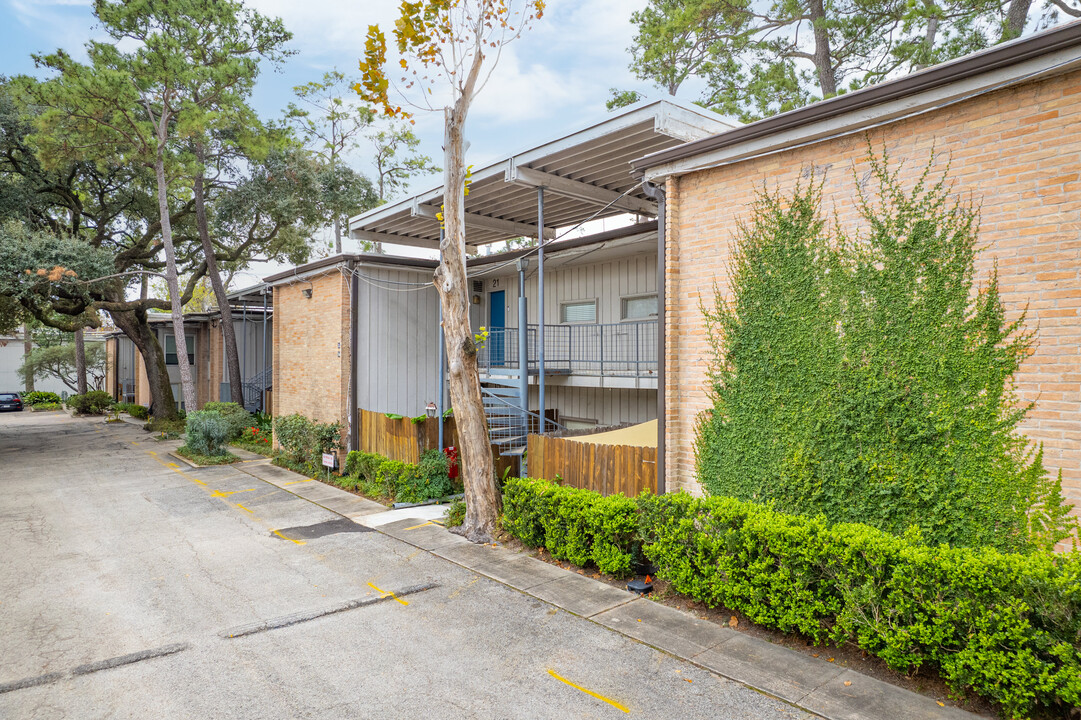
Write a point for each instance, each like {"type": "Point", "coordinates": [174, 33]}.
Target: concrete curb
{"type": "Point", "coordinates": [810, 684]}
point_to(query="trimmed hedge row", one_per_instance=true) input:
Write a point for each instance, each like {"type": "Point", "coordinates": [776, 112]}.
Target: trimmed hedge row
{"type": "Point", "coordinates": [1007, 626]}
{"type": "Point", "coordinates": [580, 526]}
{"type": "Point", "coordinates": [379, 476]}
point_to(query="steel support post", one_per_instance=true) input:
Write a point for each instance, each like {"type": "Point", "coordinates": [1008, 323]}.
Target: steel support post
{"type": "Point", "coordinates": [523, 347]}
{"type": "Point", "coordinates": [540, 309]}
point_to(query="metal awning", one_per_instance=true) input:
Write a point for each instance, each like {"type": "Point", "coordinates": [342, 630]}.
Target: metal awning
{"type": "Point", "coordinates": [258, 294]}
{"type": "Point", "coordinates": [583, 173]}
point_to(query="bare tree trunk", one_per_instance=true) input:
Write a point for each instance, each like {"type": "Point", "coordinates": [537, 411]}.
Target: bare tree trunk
{"type": "Point", "coordinates": [134, 325]}
{"type": "Point", "coordinates": [337, 235]}
{"type": "Point", "coordinates": [171, 276]}
{"type": "Point", "coordinates": [823, 61]}
{"type": "Point", "coordinates": [28, 346]}
{"type": "Point", "coordinates": [80, 362]}
{"type": "Point", "coordinates": [232, 356]}
{"type": "Point", "coordinates": [1016, 17]}
{"type": "Point", "coordinates": [482, 497]}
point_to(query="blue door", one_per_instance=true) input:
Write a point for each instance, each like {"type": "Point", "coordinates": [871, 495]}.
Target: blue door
{"type": "Point", "coordinates": [497, 321]}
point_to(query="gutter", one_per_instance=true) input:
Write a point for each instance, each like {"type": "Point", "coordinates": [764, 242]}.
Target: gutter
{"type": "Point", "coordinates": [1006, 55]}
{"type": "Point", "coordinates": [356, 259]}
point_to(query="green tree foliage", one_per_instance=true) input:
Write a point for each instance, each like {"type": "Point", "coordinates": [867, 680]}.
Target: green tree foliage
{"type": "Point", "coordinates": [331, 121]}
{"type": "Point", "coordinates": [58, 362]}
{"type": "Point", "coordinates": [760, 58]}
{"type": "Point", "coordinates": [397, 159]}
{"type": "Point", "coordinates": [868, 378]}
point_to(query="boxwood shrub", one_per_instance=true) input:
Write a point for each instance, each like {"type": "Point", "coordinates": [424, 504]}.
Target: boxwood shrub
{"type": "Point", "coordinates": [581, 526]}
{"type": "Point", "coordinates": [1005, 625]}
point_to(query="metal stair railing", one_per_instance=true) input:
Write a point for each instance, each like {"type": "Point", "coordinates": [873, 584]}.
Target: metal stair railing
{"type": "Point", "coordinates": [517, 424]}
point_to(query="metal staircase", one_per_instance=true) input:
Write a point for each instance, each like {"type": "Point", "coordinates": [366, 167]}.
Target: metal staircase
{"type": "Point", "coordinates": [508, 423]}
{"type": "Point", "coordinates": [254, 387]}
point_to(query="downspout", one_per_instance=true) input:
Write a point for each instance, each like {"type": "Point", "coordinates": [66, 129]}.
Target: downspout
{"type": "Point", "coordinates": [657, 193]}
{"type": "Point", "coordinates": [441, 361]}
{"type": "Point", "coordinates": [262, 371]}
{"type": "Point", "coordinates": [354, 302]}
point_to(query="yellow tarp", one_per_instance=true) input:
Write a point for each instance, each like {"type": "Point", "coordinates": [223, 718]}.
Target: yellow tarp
{"type": "Point", "coordinates": [643, 435]}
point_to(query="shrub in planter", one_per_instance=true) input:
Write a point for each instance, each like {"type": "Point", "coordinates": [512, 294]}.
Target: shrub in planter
{"type": "Point", "coordinates": [255, 439]}
{"type": "Point", "coordinates": [42, 407]}
{"type": "Point", "coordinates": [39, 397]}
{"type": "Point", "coordinates": [237, 417]}
{"type": "Point", "coordinates": [94, 402]}
{"type": "Point", "coordinates": [303, 441]}
{"type": "Point", "coordinates": [136, 410]}
{"type": "Point", "coordinates": [207, 433]}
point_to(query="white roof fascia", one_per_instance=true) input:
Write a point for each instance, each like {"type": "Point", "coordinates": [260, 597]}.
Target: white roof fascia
{"type": "Point", "coordinates": [867, 118]}
{"type": "Point", "coordinates": [667, 115]}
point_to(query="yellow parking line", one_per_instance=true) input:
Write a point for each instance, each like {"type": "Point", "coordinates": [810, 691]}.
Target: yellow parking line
{"type": "Point", "coordinates": [286, 537]}
{"type": "Point", "coordinates": [420, 526]}
{"type": "Point", "coordinates": [244, 508]}
{"type": "Point", "coordinates": [227, 493]}
{"type": "Point", "coordinates": [387, 594]}
{"type": "Point", "coordinates": [296, 482]}
{"type": "Point", "coordinates": [611, 702]}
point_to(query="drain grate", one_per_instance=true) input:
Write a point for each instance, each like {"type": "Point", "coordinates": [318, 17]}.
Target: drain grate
{"type": "Point", "coordinates": [318, 530]}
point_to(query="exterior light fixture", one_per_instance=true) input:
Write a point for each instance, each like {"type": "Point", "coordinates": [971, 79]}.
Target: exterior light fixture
{"type": "Point", "coordinates": [307, 292]}
{"type": "Point", "coordinates": [431, 410]}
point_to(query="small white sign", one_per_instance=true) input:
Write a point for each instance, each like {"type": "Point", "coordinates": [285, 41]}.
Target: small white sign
{"type": "Point", "coordinates": [328, 460]}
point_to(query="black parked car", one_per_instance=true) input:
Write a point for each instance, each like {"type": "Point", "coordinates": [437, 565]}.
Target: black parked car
{"type": "Point", "coordinates": [11, 401]}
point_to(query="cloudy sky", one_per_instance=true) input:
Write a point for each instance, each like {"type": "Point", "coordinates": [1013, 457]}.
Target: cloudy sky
{"type": "Point", "coordinates": [551, 81]}
{"type": "Point", "coordinates": [554, 79]}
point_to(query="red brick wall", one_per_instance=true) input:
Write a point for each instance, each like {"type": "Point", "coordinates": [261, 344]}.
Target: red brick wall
{"type": "Point", "coordinates": [1016, 152]}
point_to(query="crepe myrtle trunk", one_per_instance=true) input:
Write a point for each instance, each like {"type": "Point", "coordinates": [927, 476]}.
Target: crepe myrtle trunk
{"type": "Point", "coordinates": [134, 325]}
{"type": "Point", "coordinates": [80, 362]}
{"type": "Point", "coordinates": [482, 497]}
{"type": "Point", "coordinates": [232, 357]}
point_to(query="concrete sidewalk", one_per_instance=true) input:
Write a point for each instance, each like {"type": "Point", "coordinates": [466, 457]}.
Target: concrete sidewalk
{"type": "Point", "coordinates": [811, 684]}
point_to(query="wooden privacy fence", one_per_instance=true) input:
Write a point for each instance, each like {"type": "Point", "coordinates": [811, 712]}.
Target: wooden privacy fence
{"type": "Point", "coordinates": [608, 469]}
{"type": "Point", "coordinates": [402, 439]}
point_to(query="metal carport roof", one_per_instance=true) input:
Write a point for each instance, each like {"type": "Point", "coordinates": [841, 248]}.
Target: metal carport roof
{"type": "Point", "coordinates": [584, 173]}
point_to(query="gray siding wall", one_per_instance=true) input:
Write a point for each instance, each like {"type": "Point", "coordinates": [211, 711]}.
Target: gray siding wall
{"type": "Point", "coordinates": [603, 406]}
{"type": "Point", "coordinates": [398, 340]}
{"type": "Point", "coordinates": [607, 282]}
{"type": "Point", "coordinates": [249, 344]}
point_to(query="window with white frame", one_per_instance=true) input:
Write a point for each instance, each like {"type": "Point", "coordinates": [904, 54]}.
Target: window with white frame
{"type": "Point", "coordinates": [638, 307]}
{"type": "Point", "coordinates": [578, 311]}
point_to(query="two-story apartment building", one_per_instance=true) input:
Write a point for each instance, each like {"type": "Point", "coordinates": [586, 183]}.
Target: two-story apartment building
{"type": "Point", "coordinates": [253, 326]}
{"type": "Point", "coordinates": [362, 332]}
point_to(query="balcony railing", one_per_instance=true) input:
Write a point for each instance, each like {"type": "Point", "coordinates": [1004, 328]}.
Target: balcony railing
{"type": "Point", "coordinates": [627, 349]}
